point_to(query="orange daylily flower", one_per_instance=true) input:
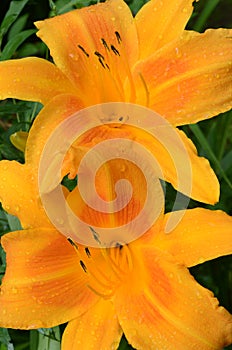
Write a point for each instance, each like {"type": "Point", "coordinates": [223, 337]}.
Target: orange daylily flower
{"type": "Point", "coordinates": [143, 288]}
{"type": "Point", "coordinates": [102, 54]}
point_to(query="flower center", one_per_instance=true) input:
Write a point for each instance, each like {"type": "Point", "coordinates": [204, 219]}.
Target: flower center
{"type": "Point", "coordinates": [105, 268]}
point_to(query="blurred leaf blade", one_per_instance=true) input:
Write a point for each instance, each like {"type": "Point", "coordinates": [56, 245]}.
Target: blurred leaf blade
{"type": "Point", "coordinates": [14, 43]}
{"type": "Point", "coordinates": [16, 6]}
{"type": "Point", "coordinates": [49, 339]}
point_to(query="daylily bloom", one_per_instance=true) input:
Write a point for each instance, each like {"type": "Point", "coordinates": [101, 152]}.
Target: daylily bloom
{"type": "Point", "coordinates": [143, 288]}
{"type": "Point", "coordinates": [102, 54]}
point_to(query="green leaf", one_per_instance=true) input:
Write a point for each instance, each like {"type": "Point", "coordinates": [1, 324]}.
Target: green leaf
{"type": "Point", "coordinates": [124, 344]}
{"type": "Point", "coordinates": [49, 339]}
{"type": "Point", "coordinates": [34, 339]}
{"type": "Point", "coordinates": [18, 26]}
{"type": "Point", "coordinates": [226, 162]}
{"type": "Point", "coordinates": [13, 222]}
{"type": "Point", "coordinates": [14, 43]}
{"type": "Point", "coordinates": [14, 10]}
{"type": "Point", "coordinates": [205, 14]}
{"type": "Point", "coordinates": [5, 339]}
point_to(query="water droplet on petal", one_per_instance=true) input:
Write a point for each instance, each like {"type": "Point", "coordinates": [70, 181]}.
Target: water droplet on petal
{"type": "Point", "coordinates": [201, 260]}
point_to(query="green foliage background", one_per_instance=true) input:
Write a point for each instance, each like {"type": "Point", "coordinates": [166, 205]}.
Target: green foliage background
{"type": "Point", "coordinates": [213, 139]}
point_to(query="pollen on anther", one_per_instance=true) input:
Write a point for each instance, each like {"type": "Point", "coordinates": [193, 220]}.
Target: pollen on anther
{"type": "Point", "coordinates": [72, 243]}
{"type": "Point", "coordinates": [87, 252]}
{"type": "Point", "coordinates": [115, 51]}
{"type": "Point", "coordinates": [83, 50]}
{"type": "Point", "coordinates": [101, 62]}
{"type": "Point", "coordinates": [99, 55]}
{"type": "Point", "coordinates": [105, 44]}
{"type": "Point", "coordinates": [95, 235]}
{"type": "Point", "coordinates": [83, 266]}
{"type": "Point", "coordinates": [118, 36]}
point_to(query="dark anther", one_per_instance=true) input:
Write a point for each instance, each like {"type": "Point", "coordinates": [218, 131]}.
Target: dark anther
{"type": "Point", "coordinates": [107, 66]}
{"type": "Point", "coordinates": [102, 63]}
{"type": "Point", "coordinates": [99, 55]}
{"type": "Point", "coordinates": [83, 50]}
{"type": "Point", "coordinates": [118, 245]}
{"type": "Point", "coordinates": [83, 266]}
{"type": "Point", "coordinates": [120, 119]}
{"type": "Point", "coordinates": [118, 36]}
{"type": "Point", "coordinates": [105, 44]}
{"type": "Point", "coordinates": [72, 243]}
{"type": "Point", "coordinates": [115, 51]}
{"type": "Point", "coordinates": [95, 235]}
{"type": "Point", "coordinates": [87, 252]}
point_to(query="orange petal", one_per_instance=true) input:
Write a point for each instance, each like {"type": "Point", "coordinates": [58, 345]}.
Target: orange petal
{"type": "Point", "coordinates": [19, 196]}
{"type": "Point", "coordinates": [52, 115]}
{"type": "Point", "coordinates": [205, 185]}
{"type": "Point", "coordinates": [179, 161]}
{"type": "Point", "coordinates": [98, 328]}
{"type": "Point", "coordinates": [94, 47]}
{"type": "Point", "coordinates": [165, 20]}
{"type": "Point", "coordinates": [161, 307]}
{"type": "Point", "coordinates": [32, 79]}
{"type": "Point", "coordinates": [201, 235]}
{"type": "Point", "coordinates": [44, 284]}
{"type": "Point", "coordinates": [183, 85]}
{"type": "Point", "coordinates": [105, 181]}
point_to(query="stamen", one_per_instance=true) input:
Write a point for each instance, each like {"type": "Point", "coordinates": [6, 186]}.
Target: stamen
{"type": "Point", "coordinates": [101, 62]}
{"type": "Point", "coordinates": [118, 37]}
{"type": "Point", "coordinates": [98, 54]}
{"type": "Point", "coordinates": [118, 245]}
{"type": "Point", "coordinates": [105, 296]}
{"type": "Point", "coordinates": [95, 235]}
{"type": "Point", "coordinates": [115, 51]}
{"type": "Point", "coordinates": [146, 89]}
{"type": "Point", "coordinates": [111, 263]}
{"type": "Point", "coordinates": [73, 243]}
{"type": "Point", "coordinates": [83, 266]}
{"type": "Point", "coordinates": [87, 252]}
{"type": "Point", "coordinates": [83, 50]}
{"type": "Point", "coordinates": [105, 44]}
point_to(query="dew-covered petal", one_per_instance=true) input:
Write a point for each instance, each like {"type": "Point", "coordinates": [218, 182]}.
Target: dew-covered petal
{"type": "Point", "coordinates": [161, 307]}
{"type": "Point", "coordinates": [32, 79]}
{"type": "Point", "coordinates": [18, 194]}
{"type": "Point", "coordinates": [201, 235]}
{"type": "Point", "coordinates": [98, 328]}
{"type": "Point", "coordinates": [44, 284]}
{"type": "Point", "coordinates": [105, 181]}
{"type": "Point", "coordinates": [159, 22]}
{"type": "Point", "coordinates": [94, 47]}
{"type": "Point", "coordinates": [50, 117]}
{"type": "Point", "coordinates": [177, 158]}
{"type": "Point", "coordinates": [189, 79]}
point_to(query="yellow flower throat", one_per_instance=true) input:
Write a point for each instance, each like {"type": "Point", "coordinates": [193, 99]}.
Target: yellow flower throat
{"type": "Point", "coordinates": [105, 268]}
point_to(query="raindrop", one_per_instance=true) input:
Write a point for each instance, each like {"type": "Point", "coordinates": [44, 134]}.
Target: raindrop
{"type": "Point", "coordinates": [201, 260]}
